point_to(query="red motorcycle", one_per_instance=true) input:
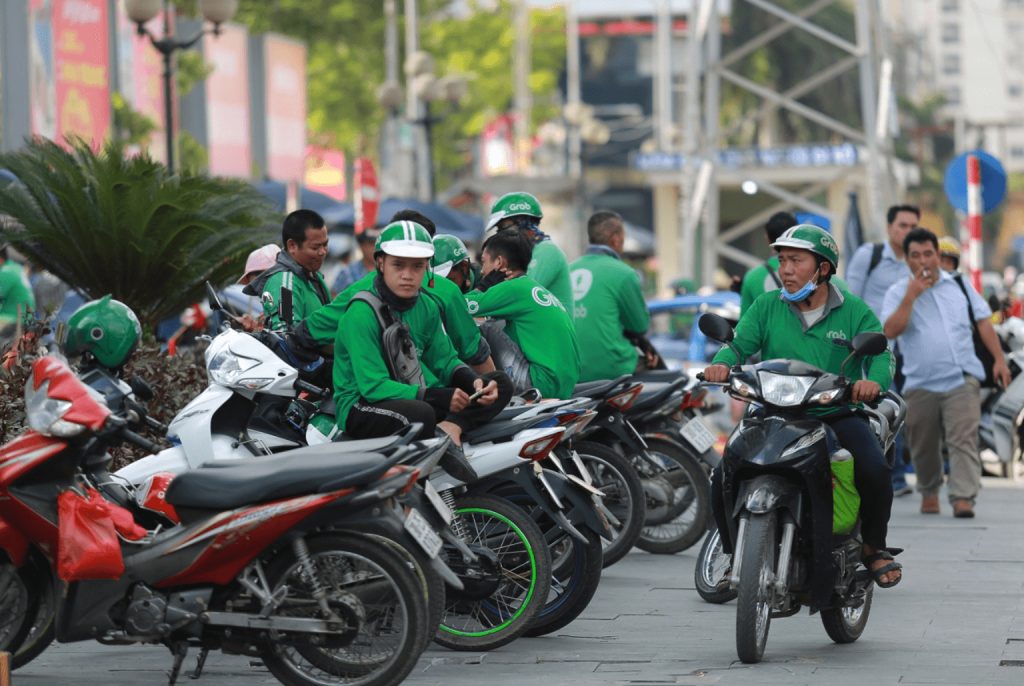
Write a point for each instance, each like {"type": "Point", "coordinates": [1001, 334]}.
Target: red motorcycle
{"type": "Point", "coordinates": [265, 561]}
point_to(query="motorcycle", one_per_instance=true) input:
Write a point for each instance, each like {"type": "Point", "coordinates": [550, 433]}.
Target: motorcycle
{"type": "Point", "coordinates": [1002, 410]}
{"type": "Point", "coordinates": [777, 486]}
{"type": "Point", "coordinates": [254, 568]}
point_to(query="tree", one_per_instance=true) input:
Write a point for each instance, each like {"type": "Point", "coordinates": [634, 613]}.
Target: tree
{"type": "Point", "coordinates": [106, 224]}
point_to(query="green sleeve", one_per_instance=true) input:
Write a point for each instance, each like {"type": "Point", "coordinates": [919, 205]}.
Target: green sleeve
{"type": "Point", "coordinates": [880, 367]}
{"type": "Point", "coordinates": [322, 324]}
{"type": "Point", "coordinates": [361, 339]}
{"type": "Point", "coordinates": [633, 309]}
{"type": "Point", "coordinates": [748, 290]}
{"type": "Point", "coordinates": [439, 354]}
{"type": "Point", "coordinates": [748, 339]}
{"type": "Point", "coordinates": [458, 323]}
{"type": "Point", "coordinates": [495, 302]}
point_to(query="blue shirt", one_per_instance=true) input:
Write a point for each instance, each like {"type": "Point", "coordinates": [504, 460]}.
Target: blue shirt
{"type": "Point", "coordinates": [872, 289]}
{"type": "Point", "coordinates": [938, 344]}
{"type": "Point", "coordinates": [349, 275]}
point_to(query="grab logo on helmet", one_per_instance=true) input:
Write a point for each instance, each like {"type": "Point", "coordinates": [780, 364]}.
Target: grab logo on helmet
{"type": "Point", "coordinates": [519, 207]}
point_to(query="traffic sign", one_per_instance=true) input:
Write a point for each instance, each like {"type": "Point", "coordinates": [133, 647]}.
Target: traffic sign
{"type": "Point", "coordinates": [993, 181]}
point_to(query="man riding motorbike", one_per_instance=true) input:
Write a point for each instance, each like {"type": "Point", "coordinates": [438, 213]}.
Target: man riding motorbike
{"type": "Point", "coordinates": [799, 322]}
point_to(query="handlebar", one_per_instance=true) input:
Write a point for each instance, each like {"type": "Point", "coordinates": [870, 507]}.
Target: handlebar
{"type": "Point", "coordinates": [135, 439]}
{"type": "Point", "coordinates": [301, 385]}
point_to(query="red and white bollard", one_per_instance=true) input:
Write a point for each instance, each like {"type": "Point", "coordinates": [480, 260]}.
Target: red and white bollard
{"type": "Point", "coordinates": [974, 213]}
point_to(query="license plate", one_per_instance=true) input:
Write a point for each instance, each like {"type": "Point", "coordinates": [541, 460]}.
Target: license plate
{"type": "Point", "coordinates": [438, 502]}
{"type": "Point", "coordinates": [697, 434]}
{"type": "Point", "coordinates": [419, 528]}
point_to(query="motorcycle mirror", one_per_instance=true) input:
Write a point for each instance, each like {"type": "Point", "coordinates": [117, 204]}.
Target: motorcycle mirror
{"type": "Point", "coordinates": [716, 327]}
{"type": "Point", "coordinates": [214, 298]}
{"type": "Point", "coordinates": [141, 388]}
{"type": "Point", "coordinates": [870, 343]}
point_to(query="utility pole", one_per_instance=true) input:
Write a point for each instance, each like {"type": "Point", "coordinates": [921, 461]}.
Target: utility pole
{"type": "Point", "coordinates": [572, 87]}
{"type": "Point", "coordinates": [523, 102]}
{"type": "Point", "coordinates": [415, 109]}
{"type": "Point", "coordinates": [663, 76]}
{"type": "Point", "coordinates": [390, 185]}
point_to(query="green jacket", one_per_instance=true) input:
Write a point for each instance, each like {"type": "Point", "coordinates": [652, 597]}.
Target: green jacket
{"type": "Point", "coordinates": [309, 291]}
{"type": "Point", "coordinates": [359, 367]}
{"type": "Point", "coordinates": [540, 326]}
{"type": "Point", "coordinates": [757, 281]}
{"type": "Point", "coordinates": [609, 301]}
{"type": "Point", "coordinates": [472, 349]}
{"type": "Point", "coordinates": [15, 293]}
{"type": "Point", "coordinates": [775, 328]}
{"type": "Point", "coordinates": [550, 269]}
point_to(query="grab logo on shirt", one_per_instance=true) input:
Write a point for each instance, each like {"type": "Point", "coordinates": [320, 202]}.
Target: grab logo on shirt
{"type": "Point", "coordinates": [473, 306]}
{"type": "Point", "coordinates": [544, 298]}
{"type": "Point", "coordinates": [582, 280]}
{"type": "Point", "coordinates": [840, 335]}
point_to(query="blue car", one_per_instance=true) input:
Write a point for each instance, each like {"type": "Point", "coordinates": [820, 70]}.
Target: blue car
{"type": "Point", "coordinates": [674, 331]}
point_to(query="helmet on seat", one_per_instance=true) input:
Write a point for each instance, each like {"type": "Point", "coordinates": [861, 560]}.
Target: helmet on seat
{"type": "Point", "coordinates": [106, 328]}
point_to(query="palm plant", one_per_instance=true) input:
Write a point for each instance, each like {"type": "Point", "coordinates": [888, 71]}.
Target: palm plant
{"type": "Point", "coordinates": [106, 223]}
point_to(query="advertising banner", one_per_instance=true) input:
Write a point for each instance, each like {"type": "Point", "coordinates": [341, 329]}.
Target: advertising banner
{"type": "Point", "coordinates": [81, 43]}
{"type": "Point", "coordinates": [325, 172]}
{"type": "Point", "coordinates": [227, 102]}
{"type": "Point", "coordinates": [285, 74]}
{"type": "Point", "coordinates": [42, 70]}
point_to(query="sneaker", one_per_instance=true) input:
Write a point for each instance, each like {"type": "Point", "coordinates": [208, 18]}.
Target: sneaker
{"type": "Point", "coordinates": [905, 489]}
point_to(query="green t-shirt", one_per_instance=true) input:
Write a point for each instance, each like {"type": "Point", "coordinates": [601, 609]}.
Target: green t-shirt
{"type": "Point", "coordinates": [757, 281]}
{"type": "Point", "coordinates": [460, 327]}
{"type": "Point", "coordinates": [306, 297]}
{"type": "Point", "coordinates": [609, 301]}
{"type": "Point", "coordinates": [359, 367]}
{"type": "Point", "coordinates": [550, 269]}
{"type": "Point", "coordinates": [540, 326]}
{"type": "Point", "coordinates": [775, 328]}
{"type": "Point", "coordinates": [15, 293]}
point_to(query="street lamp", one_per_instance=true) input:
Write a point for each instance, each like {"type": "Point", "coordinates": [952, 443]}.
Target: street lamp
{"type": "Point", "coordinates": [591, 132]}
{"type": "Point", "coordinates": [142, 11]}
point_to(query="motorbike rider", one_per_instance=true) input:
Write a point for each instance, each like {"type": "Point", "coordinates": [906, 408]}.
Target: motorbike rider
{"type": "Point", "coordinates": [799, 322]}
{"type": "Point", "coordinates": [451, 261]}
{"type": "Point", "coordinates": [296, 271]}
{"type": "Point", "coordinates": [949, 254]}
{"type": "Point", "coordinates": [321, 326]}
{"type": "Point", "coordinates": [549, 267]}
{"type": "Point", "coordinates": [545, 355]}
{"type": "Point", "coordinates": [369, 400]}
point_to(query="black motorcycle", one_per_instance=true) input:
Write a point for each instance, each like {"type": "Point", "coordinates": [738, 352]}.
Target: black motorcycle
{"type": "Point", "coordinates": [777, 487]}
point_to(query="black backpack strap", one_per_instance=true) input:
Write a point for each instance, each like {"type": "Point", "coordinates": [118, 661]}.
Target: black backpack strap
{"type": "Point", "coordinates": [876, 257]}
{"type": "Point", "coordinates": [772, 273]}
{"type": "Point", "coordinates": [970, 310]}
{"type": "Point", "coordinates": [384, 317]}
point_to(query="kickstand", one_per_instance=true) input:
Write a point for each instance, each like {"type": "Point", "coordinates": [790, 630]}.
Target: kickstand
{"type": "Point", "coordinates": [179, 649]}
{"type": "Point", "coordinates": [200, 662]}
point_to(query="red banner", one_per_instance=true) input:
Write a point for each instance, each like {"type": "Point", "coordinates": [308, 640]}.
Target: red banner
{"type": "Point", "coordinates": [367, 195]}
{"type": "Point", "coordinates": [227, 102]}
{"type": "Point", "coordinates": [81, 41]}
{"type": "Point", "coordinates": [285, 68]}
{"type": "Point", "coordinates": [325, 172]}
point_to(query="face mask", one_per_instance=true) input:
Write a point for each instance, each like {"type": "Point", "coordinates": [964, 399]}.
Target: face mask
{"type": "Point", "coordinates": [801, 294]}
{"type": "Point", "coordinates": [492, 278]}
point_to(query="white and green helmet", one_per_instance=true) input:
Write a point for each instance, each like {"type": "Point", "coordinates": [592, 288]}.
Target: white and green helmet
{"type": "Point", "coordinates": [404, 239]}
{"type": "Point", "coordinates": [449, 251]}
{"type": "Point", "coordinates": [812, 238]}
{"type": "Point", "coordinates": [514, 205]}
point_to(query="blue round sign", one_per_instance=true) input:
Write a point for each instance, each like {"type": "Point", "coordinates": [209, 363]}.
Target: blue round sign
{"type": "Point", "coordinates": [993, 181]}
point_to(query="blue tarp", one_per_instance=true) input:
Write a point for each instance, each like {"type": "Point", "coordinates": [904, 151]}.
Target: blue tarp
{"type": "Point", "coordinates": [468, 227]}
{"type": "Point", "coordinates": [324, 205]}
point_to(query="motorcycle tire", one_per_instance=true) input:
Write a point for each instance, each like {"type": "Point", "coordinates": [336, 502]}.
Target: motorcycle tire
{"type": "Point", "coordinates": [712, 565]}
{"type": "Point", "coordinates": [574, 581]}
{"type": "Point", "coordinates": [757, 574]}
{"type": "Point", "coordinates": [493, 612]}
{"type": "Point", "coordinates": [41, 633]}
{"type": "Point", "coordinates": [691, 507]}
{"type": "Point", "coordinates": [624, 496]}
{"type": "Point", "coordinates": [384, 571]}
{"type": "Point", "coordinates": [846, 624]}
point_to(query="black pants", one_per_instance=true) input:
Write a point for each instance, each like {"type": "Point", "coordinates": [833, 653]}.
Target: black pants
{"type": "Point", "coordinates": [370, 420]}
{"type": "Point", "coordinates": [870, 474]}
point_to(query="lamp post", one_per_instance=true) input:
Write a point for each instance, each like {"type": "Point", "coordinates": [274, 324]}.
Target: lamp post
{"type": "Point", "coordinates": [141, 11]}
{"type": "Point", "coordinates": [584, 128]}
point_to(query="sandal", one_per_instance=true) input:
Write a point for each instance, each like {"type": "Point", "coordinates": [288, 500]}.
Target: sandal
{"type": "Point", "coordinates": [884, 569]}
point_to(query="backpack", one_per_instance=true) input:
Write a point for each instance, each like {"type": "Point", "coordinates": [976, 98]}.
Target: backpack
{"type": "Point", "coordinates": [980, 349]}
{"type": "Point", "coordinates": [396, 342]}
{"type": "Point", "coordinates": [876, 257]}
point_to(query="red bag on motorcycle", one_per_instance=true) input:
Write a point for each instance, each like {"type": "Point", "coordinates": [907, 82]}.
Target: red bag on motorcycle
{"type": "Point", "coordinates": [87, 542]}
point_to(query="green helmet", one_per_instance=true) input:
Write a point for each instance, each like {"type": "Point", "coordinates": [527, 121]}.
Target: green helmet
{"type": "Point", "coordinates": [404, 239]}
{"type": "Point", "coordinates": [448, 252]}
{"type": "Point", "coordinates": [514, 205]}
{"type": "Point", "coordinates": [106, 328]}
{"type": "Point", "coordinates": [812, 238]}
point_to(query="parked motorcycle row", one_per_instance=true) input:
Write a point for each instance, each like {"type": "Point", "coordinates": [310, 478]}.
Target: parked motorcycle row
{"type": "Point", "coordinates": [335, 562]}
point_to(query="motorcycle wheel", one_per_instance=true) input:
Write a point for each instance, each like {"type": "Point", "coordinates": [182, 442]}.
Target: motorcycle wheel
{"type": "Point", "coordinates": [575, 576]}
{"type": "Point", "coordinates": [38, 576]}
{"type": "Point", "coordinates": [375, 593]}
{"type": "Point", "coordinates": [492, 612]}
{"type": "Point", "coordinates": [686, 521]}
{"type": "Point", "coordinates": [846, 624]}
{"type": "Point", "coordinates": [709, 572]}
{"type": "Point", "coordinates": [17, 607]}
{"type": "Point", "coordinates": [430, 582]}
{"type": "Point", "coordinates": [755, 591]}
{"type": "Point", "coordinates": [623, 496]}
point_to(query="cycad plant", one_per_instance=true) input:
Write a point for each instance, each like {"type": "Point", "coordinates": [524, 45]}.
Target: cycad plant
{"type": "Point", "coordinates": [106, 223]}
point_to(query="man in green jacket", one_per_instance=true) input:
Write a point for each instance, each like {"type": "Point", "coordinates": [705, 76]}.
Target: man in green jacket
{"type": "Point", "coordinates": [295, 278]}
{"type": "Point", "coordinates": [370, 401]}
{"type": "Point", "coordinates": [321, 326]}
{"type": "Point", "coordinates": [549, 266]}
{"type": "Point", "coordinates": [16, 297]}
{"type": "Point", "coordinates": [535, 320]}
{"type": "Point", "coordinates": [609, 302]}
{"type": "Point", "coordinates": [799, 322]}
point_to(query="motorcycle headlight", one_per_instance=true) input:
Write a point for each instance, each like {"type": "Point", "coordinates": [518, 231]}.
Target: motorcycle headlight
{"type": "Point", "coordinates": [805, 441]}
{"type": "Point", "coordinates": [743, 388]}
{"type": "Point", "coordinates": [226, 368]}
{"type": "Point", "coordinates": [783, 390]}
{"type": "Point", "coordinates": [46, 415]}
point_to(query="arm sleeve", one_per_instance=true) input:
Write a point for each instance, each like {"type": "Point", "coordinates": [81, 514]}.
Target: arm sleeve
{"type": "Point", "coordinates": [891, 303]}
{"type": "Point", "coordinates": [439, 354]}
{"type": "Point", "coordinates": [857, 270]}
{"type": "Point", "coordinates": [463, 331]}
{"type": "Point", "coordinates": [748, 335]}
{"type": "Point", "coordinates": [880, 368]}
{"type": "Point", "coordinates": [632, 308]}
{"type": "Point", "coordinates": [359, 334]}
{"type": "Point", "coordinates": [493, 303]}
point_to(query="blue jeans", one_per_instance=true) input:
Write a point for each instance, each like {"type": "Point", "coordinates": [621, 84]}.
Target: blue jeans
{"type": "Point", "coordinates": [899, 466]}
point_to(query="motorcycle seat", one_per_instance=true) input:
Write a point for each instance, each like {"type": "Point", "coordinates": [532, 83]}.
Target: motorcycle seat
{"type": "Point", "coordinates": [658, 376]}
{"type": "Point", "coordinates": [285, 475]}
{"type": "Point", "coordinates": [653, 395]}
{"type": "Point", "coordinates": [597, 389]}
{"type": "Point", "coordinates": [497, 431]}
